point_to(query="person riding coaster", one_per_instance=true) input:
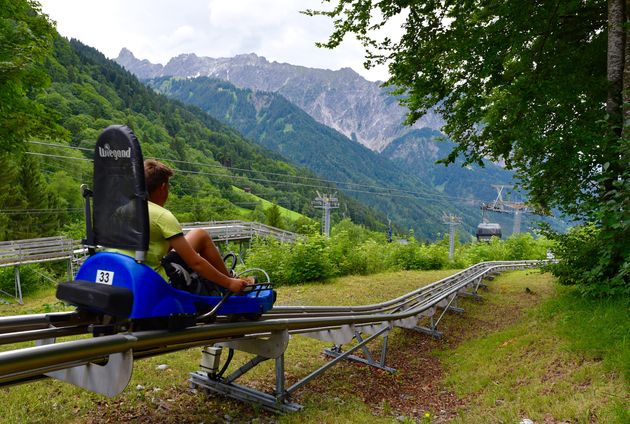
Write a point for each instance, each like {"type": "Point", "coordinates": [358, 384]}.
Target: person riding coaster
{"type": "Point", "coordinates": [141, 244]}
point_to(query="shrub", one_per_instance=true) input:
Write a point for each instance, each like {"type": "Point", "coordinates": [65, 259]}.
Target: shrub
{"type": "Point", "coordinates": [270, 255]}
{"type": "Point", "coordinates": [33, 277]}
{"type": "Point", "coordinates": [582, 262]}
{"type": "Point", "coordinates": [523, 246]}
{"type": "Point", "coordinates": [352, 249]}
{"type": "Point", "coordinates": [433, 256]}
{"type": "Point", "coordinates": [406, 256]}
{"type": "Point", "coordinates": [309, 260]}
{"type": "Point", "coordinates": [484, 251]}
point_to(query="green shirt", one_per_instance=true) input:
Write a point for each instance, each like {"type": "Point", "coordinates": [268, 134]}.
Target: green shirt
{"type": "Point", "coordinates": [162, 226]}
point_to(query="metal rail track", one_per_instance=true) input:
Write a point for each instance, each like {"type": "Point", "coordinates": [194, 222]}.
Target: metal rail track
{"type": "Point", "coordinates": [103, 364]}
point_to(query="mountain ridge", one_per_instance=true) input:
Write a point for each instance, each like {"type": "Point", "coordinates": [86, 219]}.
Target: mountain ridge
{"type": "Point", "coordinates": [363, 111]}
{"type": "Point", "coordinates": [277, 124]}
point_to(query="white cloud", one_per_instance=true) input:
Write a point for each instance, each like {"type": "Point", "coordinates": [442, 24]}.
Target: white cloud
{"type": "Point", "coordinates": [160, 29]}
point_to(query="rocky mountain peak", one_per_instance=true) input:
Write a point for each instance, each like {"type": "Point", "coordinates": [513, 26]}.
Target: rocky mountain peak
{"type": "Point", "coordinates": [343, 100]}
{"type": "Point", "coordinates": [127, 60]}
{"type": "Point", "coordinates": [125, 54]}
{"type": "Point", "coordinates": [250, 59]}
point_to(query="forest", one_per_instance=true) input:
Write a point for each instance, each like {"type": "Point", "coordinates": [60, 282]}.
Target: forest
{"type": "Point", "coordinates": [80, 92]}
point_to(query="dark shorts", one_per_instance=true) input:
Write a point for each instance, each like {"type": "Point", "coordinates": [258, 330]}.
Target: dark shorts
{"type": "Point", "coordinates": [183, 278]}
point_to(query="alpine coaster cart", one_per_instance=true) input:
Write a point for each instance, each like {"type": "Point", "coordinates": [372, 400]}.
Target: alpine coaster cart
{"type": "Point", "coordinates": [123, 292]}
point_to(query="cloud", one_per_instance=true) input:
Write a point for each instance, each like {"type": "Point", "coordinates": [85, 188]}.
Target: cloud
{"type": "Point", "coordinates": [160, 29]}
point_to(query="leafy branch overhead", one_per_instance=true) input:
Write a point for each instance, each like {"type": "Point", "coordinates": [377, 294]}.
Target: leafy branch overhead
{"type": "Point", "coordinates": [527, 83]}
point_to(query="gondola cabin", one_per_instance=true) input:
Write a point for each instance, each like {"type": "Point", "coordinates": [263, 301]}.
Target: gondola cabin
{"type": "Point", "coordinates": [487, 230]}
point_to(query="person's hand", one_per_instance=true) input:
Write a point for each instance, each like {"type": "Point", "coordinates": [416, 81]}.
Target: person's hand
{"type": "Point", "coordinates": [238, 284]}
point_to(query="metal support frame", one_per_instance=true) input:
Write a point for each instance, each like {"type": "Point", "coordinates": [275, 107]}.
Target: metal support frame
{"type": "Point", "coordinates": [432, 328]}
{"type": "Point", "coordinates": [279, 400]}
{"type": "Point", "coordinates": [472, 295]}
{"type": "Point", "coordinates": [17, 294]}
{"type": "Point", "coordinates": [476, 284]}
{"type": "Point", "coordinates": [109, 378]}
{"type": "Point", "coordinates": [18, 286]}
{"type": "Point", "coordinates": [336, 352]}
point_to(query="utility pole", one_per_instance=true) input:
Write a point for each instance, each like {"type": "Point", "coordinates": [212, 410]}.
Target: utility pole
{"type": "Point", "coordinates": [519, 208]}
{"type": "Point", "coordinates": [452, 221]}
{"type": "Point", "coordinates": [326, 202]}
{"type": "Point", "coordinates": [498, 205]}
{"type": "Point", "coordinates": [503, 206]}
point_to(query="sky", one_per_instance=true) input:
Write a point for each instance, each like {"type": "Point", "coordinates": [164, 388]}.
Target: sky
{"type": "Point", "coordinates": [160, 29]}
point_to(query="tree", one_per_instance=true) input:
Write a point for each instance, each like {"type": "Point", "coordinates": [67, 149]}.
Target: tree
{"type": "Point", "coordinates": [539, 85]}
{"type": "Point", "coordinates": [26, 39]}
{"type": "Point", "coordinates": [273, 216]}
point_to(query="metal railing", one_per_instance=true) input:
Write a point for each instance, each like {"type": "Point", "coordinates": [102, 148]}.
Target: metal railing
{"type": "Point", "coordinates": [240, 230]}
{"type": "Point", "coordinates": [79, 362]}
{"type": "Point", "coordinates": [30, 251]}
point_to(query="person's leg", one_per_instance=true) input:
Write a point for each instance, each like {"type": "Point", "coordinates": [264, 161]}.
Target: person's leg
{"type": "Point", "coordinates": [202, 243]}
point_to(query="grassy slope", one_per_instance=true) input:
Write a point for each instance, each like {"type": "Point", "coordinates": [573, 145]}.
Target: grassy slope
{"type": "Point", "coordinates": [566, 360]}
{"type": "Point", "coordinates": [286, 213]}
{"type": "Point", "coordinates": [515, 355]}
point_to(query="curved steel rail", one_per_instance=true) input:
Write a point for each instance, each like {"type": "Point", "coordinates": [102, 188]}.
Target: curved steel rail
{"type": "Point", "coordinates": [25, 364]}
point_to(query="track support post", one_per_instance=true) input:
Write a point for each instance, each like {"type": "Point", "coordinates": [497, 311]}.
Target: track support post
{"type": "Point", "coordinates": [337, 352]}
{"type": "Point", "coordinates": [265, 348]}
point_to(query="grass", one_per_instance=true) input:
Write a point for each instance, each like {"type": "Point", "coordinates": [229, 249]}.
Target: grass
{"type": "Point", "coordinates": [285, 213]}
{"type": "Point", "coordinates": [565, 361]}
{"type": "Point", "coordinates": [529, 349]}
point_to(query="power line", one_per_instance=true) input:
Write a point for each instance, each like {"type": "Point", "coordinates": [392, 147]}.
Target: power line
{"type": "Point", "coordinates": [386, 191]}
{"type": "Point", "coordinates": [41, 143]}
{"type": "Point", "coordinates": [57, 156]}
{"type": "Point", "coordinates": [43, 212]}
{"type": "Point", "coordinates": [415, 194]}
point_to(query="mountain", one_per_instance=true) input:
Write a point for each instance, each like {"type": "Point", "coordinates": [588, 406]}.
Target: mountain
{"type": "Point", "coordinates": [417, 152]}
{"type": "Point", "coordinates": [343, 100]}
{"type": "Point", "coordinates": [360, 110]}
{"type": "Point", "coordinates": [399, 190]}
{"type": "Point", "coordinates": [88, 92]}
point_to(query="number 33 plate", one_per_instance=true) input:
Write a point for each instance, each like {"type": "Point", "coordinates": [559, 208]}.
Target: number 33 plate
{"type": "Point", "coordinates": [104, 277]}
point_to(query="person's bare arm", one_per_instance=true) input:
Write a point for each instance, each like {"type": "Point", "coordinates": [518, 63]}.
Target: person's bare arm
{"type": "Point", "coordinates": [203, 267]}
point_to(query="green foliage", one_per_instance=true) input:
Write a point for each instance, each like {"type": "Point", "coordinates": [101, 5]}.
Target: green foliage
{"type": "Point", "coordinates": [416, 256]}
{"type": "Point", "coordinates": [354, 250]}
{"type": "Point", "coordinates": [273, 217]}
{"type": "Point", "coordinates": [25, 40]}
{"type": "Point", "coordinates": [270, 255]}
{"type": "Point", "coordinates": [523, 246]}
{"type": "Point", "coordinates": [304, 225]}
{"type": "Point", "coordinates": [581, 263]}
{"type": "Point", "coordinates": [309, 260]}
{"type": "Point", "coordinates": [30, 208]}
{"type": "Point", "coordinates": [74, 230]}
{"type": "Point", "coordinates": [32, 279]}
{"type": "Point", "coordinates": [351, 249]}
{"type": "Point", "coordinates": [486, 251]}
{"type": "Point", "coordinates": [511, 91]}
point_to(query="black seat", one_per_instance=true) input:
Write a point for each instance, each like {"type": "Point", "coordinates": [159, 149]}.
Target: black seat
{"type": "Point", "coordinates": [182, 277]}
{"type": "Point", "coordinates": [120, 218]}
